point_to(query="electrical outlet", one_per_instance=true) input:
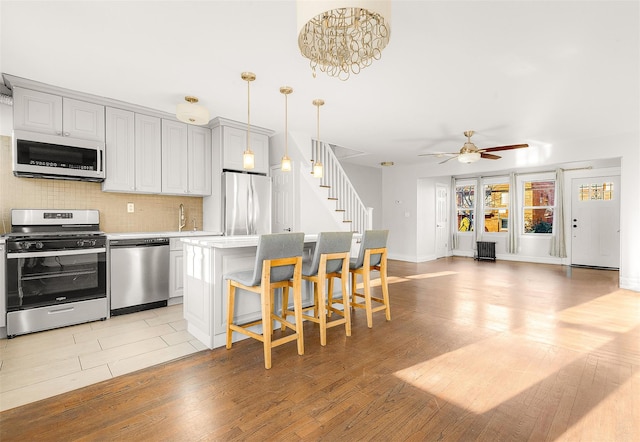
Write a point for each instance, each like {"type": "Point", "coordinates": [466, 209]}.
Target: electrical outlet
{"type": "Point", "coordinates": [130, 208]}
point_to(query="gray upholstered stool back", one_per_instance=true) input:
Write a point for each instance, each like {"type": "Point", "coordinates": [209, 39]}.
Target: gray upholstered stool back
{"type": "Point", "coordinates": [277, 245]}
{"type": "Point", "coordinates": [372, 239]}
{"type": "Point", "coordinates": [328, 242]}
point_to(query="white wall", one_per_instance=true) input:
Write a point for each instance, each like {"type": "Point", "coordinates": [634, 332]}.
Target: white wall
{"type": "Point", "coordinates": [368, 183]}
{"type": "Point", "coordinates": [405, 186]}
{"type": "Point", "coordinates": [6, 120]}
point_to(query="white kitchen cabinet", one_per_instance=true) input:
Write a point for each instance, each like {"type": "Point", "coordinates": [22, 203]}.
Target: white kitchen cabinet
{"type": "Point", "coordinates": [199, 160]}
{"type": "Point", "coordinates": [120, 151]}
{"type": "Point", "coordinates": [133, 152]}
{"type": "Point", "coordinates": [234, 144]}
{"type": "Point", "coordinates": [186, 159]}
{"type": "Point", "coordinates": [148, 156]}
{"type": "Point", "coordinates": [229, 140]}
{"type": "Point", "coordinates": [56, 115]}
{"type": "Point", "coordinates": [176, 268]}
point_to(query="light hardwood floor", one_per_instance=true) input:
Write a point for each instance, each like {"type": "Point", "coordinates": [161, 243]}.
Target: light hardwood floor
{"type": "Point", "coordinates": [474, 351]}
{"type": "Point", "coordinates": [41, 365]}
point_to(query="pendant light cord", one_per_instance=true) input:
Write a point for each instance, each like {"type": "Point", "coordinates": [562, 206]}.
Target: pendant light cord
{"type": "Point", "coordinates": [248, 115]}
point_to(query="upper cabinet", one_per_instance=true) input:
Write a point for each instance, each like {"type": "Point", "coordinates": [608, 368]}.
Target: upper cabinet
{"type": "Point", "coordinates": [186, 159]}
{"type": "Point", "coordinates": [234, 144]}
{"type": "Point", "coordinates": [230, 142]}
{"type": "Point", "coordinates": [134, 150]}
{"type": "Point", "coordinates": [53, 114]}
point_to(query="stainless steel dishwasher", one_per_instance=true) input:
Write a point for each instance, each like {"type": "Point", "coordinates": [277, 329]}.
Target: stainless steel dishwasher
{"type": "Point", "coordinates": [139, 274]}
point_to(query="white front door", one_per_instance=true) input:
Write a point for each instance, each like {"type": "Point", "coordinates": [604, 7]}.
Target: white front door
{"type": "Point", "coordinates": [595, 221]}
{"type": "Point", "coordinates": [442, 221]}
{"type": "Point", "coordinates": [283, 217]}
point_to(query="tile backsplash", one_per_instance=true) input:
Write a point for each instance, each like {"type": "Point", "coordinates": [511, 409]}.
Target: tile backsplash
{"type": "Point", "coordinates": [153, 213]}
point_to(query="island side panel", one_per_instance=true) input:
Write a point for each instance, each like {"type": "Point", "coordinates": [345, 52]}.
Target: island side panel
{"type": "Point", "coordinates": [198, 291]}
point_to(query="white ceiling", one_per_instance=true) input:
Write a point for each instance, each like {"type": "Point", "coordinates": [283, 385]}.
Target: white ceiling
{"type": "Point", "coordinates": [540, 72]}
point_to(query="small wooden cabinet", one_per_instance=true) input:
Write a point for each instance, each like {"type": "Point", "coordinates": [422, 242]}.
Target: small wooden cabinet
{"type": "Point", "coordinates": [186, 159]}
{"type": "Point", "coordinates": [56, 115]}
{"type": "Point", "coordinates": [133, 152]}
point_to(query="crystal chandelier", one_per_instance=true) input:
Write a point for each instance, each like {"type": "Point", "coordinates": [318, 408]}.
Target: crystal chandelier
{"type": "Point", "coordinates": [248, 159]}
{"type": "Point", "coordinates": [343, 37]}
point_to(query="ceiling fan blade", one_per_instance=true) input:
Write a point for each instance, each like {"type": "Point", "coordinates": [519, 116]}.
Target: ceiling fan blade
{"type": "Point", "coordinates": [448, 159]}
{"type": "Point", "coordinates": [438, 154]}
{"type": "Point", "coordinates": [489, 156]}
{"type": "Point", "coordinates": [509, 147]}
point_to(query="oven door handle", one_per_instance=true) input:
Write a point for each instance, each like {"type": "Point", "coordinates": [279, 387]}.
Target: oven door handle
{"type": "Point", "coordinates": [55, 253]}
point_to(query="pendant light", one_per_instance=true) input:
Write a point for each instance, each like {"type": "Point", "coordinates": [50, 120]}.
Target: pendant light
{"type": "Point", "coordinates": [248, 158]}
{"type": "Point", "coordinates": [317, 165]}
{"type": "Point", "coordinates": [286, 161]}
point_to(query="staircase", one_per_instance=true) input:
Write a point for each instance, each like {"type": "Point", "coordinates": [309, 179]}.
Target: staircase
{"type": "Point", "coordinates": [339, 189]}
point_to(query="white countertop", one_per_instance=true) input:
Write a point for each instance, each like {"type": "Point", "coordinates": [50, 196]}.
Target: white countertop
{"type": "Point", "coordinates": [230, 242]}
{"type": "Point", "coordinates": [173, 234]}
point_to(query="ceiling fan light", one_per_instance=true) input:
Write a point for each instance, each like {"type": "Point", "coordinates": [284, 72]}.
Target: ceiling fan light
{"type": "Point", "coordinates": [192, 113]}
{"type": "Point", "coordinates": [469, 157]}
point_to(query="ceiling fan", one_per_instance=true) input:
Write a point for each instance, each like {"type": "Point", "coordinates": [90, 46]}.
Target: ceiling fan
{"type": "Point", "coordinates": [469, 153]}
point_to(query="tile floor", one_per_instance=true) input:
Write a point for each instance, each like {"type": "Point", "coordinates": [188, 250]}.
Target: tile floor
{"type": "Point", "coordinates": [41, 365]}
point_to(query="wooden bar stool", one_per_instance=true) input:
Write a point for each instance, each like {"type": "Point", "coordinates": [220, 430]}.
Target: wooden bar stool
{"type": "Point", "coordinates": [330, 260]}
{"type": "Point", "coordinates": [278, 265]}
{"type": "Point", "coordinates": [372, 256]}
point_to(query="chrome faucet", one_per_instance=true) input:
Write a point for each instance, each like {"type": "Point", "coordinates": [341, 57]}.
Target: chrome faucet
{"type": "Point", "coordinates": [182, 220]}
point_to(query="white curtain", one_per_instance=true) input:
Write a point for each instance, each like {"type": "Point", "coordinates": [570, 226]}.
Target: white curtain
{"type": "Point", "coordinates": [478, 213]}
{"type": "Point", "coordinates": [453, 225]}
{"type": "Point", "coordinates": [558, 247]}
{"type": "Point", "coordinates": [513, 232]}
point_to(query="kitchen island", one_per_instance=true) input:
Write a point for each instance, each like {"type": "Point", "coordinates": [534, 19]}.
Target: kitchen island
{"type": "Point", "coordinates": [206, 261]}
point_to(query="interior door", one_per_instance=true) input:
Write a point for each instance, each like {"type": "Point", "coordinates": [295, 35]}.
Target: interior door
{"type": "Point", "coordinates": [283, 208]}
{"type": "Point", "coordinates": [595, 221]}
{"type": "Point", "coordinates": [442, 220]}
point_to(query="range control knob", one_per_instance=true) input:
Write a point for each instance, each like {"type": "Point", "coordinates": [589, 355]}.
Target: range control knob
{"type": "Point", "coordinates": [26, 245]}
{"type": "Point", "coordinates": [92, 242]}
{"type": "Point", "coordinates": [80, 242]}
{"type": "Point", "coordinates": [39, 245]}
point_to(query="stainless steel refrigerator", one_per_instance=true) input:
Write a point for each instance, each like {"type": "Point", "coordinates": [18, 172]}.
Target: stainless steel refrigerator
{"type": "Point", "coordinates": [247, 203]}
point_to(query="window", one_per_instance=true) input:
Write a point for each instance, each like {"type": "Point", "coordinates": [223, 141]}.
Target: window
{"type": "Point", "coordinates": [539, 204]}
{"type": "Point", "coordinates": [496, 207]}
{"type": "Point", "coordinates": [465, 206]}
{"type": "Point", "coordinates": [596, 191]}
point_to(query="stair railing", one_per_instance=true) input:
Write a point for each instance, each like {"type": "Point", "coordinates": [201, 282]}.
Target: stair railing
{"type": "Point", "coordinates": [341, 190]}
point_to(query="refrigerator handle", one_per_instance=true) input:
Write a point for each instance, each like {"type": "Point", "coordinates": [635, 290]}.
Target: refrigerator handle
{"type": "Point", "coordinates": [254, 207]}
{"type": "Point", "coordinates": [249, 200]}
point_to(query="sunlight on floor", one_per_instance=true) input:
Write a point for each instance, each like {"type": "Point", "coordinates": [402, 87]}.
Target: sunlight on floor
{"type": "Point", "coordinates": [587, 329]}
{"type": "Point", "coordinates": [395, 279]}
{"type": "Point", "coordinates": [431, 275]}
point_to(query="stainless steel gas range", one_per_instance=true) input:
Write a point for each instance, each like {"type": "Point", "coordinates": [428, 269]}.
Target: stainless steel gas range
{"type": "Point", "coordinates": [56, 270]}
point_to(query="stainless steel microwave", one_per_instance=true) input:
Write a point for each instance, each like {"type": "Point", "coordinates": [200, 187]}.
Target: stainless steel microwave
{"type": "Point", "coordinates": [37, 155]}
